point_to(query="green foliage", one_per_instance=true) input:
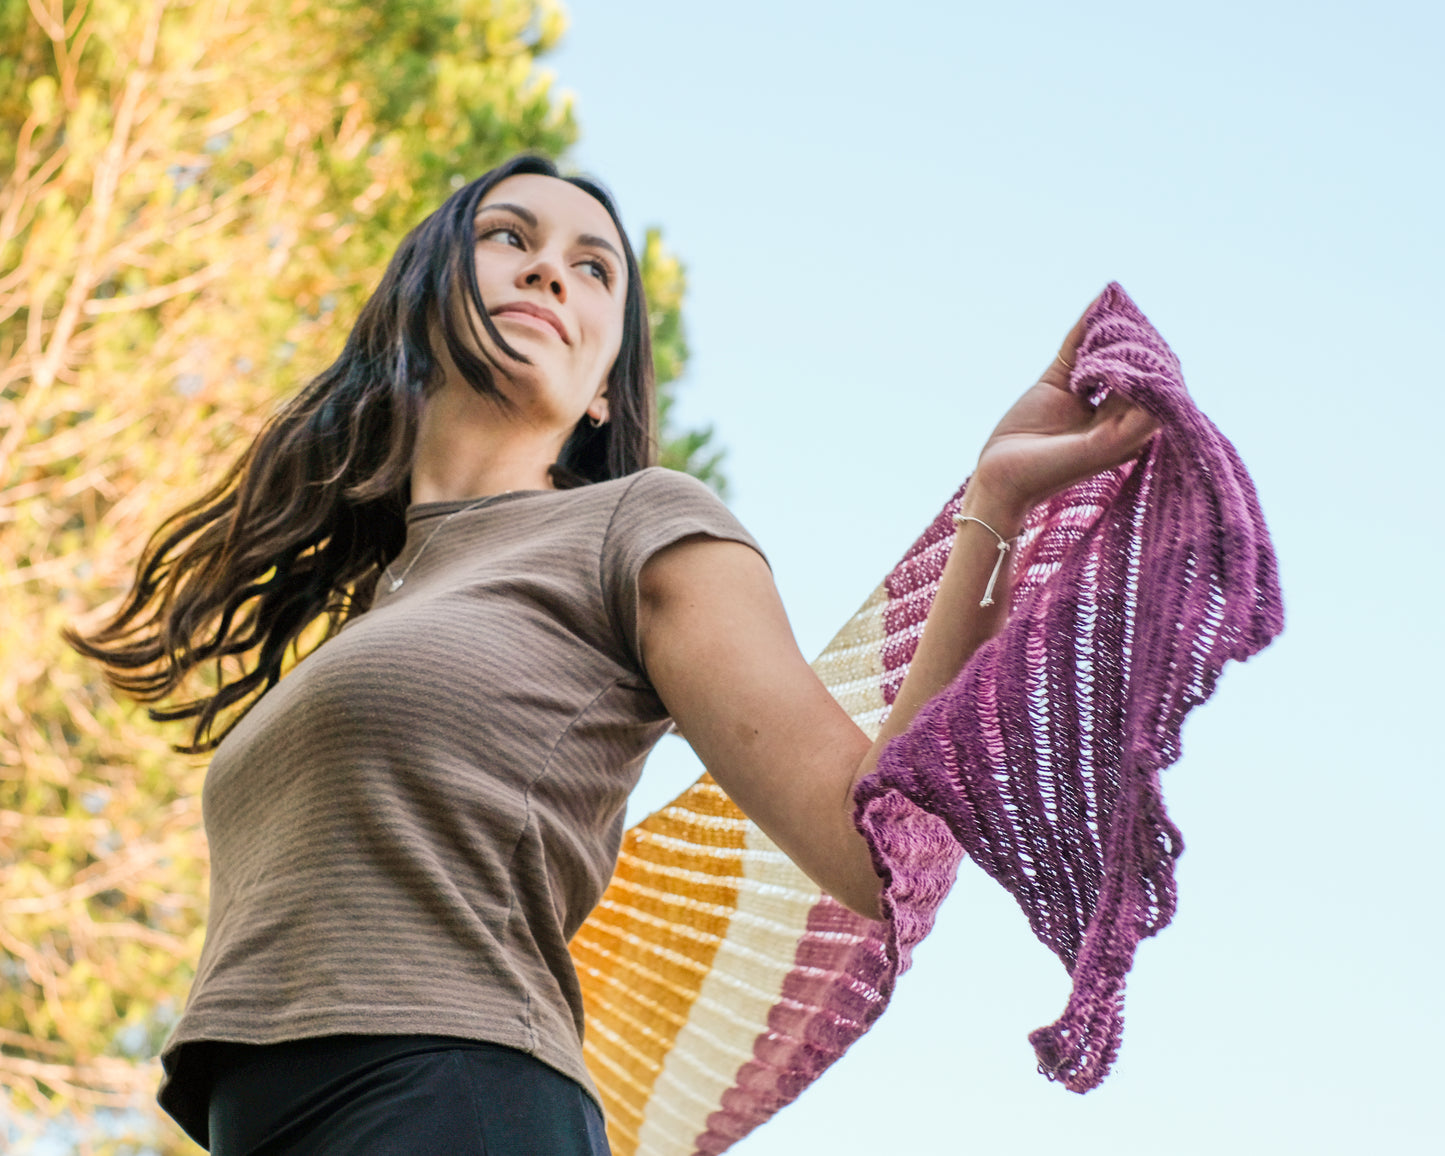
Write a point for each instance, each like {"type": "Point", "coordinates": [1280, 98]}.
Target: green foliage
{"type": "Point", "coordinates": [665, 280]}
{"type": "Point", "coordinates": [197, 195]}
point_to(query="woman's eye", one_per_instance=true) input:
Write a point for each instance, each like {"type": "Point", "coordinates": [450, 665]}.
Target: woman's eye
{"type": "Point", "coordinates": [600, 271]}
{"type": "Point", "coordinates": [503, 231]}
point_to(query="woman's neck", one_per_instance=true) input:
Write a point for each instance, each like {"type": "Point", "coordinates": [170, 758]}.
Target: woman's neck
{"type": "Point", "coordinates": [470, 446]}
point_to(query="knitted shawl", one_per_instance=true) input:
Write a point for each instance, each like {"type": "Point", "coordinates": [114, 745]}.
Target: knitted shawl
{"type": "Point", "coordinates": [718, 980]}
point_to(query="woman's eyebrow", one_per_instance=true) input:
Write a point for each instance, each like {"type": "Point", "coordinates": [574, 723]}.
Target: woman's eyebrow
{"type": "Point", "coordinates": [598, 242]}
{"type": "Point", "coordinates": [526, 214]}
{"type": "Point", "coordinates": [531, 219]}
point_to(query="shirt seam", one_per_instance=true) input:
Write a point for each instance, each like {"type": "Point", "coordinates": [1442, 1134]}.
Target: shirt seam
{"type": "Point", "coordinates": [527, 819]}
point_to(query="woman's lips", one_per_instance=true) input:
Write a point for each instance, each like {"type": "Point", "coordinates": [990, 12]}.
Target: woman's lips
{"type": "Point", "coordinates": [534, 315]}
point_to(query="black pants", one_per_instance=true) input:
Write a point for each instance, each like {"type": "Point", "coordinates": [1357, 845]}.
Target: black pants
{"type": "Point", "coordinates": [396, 1096]}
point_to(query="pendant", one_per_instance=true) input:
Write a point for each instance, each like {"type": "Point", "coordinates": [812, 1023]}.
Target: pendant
{"type": "Point", "coordinates": [396, 585]}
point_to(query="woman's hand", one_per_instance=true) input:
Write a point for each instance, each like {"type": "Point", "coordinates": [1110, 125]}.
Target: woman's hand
{"type": "Point", "coordinates": [1050, 439]}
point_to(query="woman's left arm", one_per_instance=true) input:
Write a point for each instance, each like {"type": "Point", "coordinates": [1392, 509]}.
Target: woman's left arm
{"type": "Point", "coordinates": [718, 648]}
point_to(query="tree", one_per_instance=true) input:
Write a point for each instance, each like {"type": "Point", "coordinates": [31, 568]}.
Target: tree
{"type": "Point", "coordinates": [197, 194]}
{"type": "Point", "coordinates": [666, 282]}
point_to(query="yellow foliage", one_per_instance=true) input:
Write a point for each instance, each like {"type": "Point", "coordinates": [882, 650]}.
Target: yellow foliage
{"type": "Point", "coordinates": [196, 196]}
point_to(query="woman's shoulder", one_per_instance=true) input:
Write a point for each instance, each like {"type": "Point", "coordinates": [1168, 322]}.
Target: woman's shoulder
{"type": "Point", "coordinates": [657, 493]}
{"type": "Point", "coordinates": [660, 506]}
{"type": "Point", "coordinates": [662, 481]}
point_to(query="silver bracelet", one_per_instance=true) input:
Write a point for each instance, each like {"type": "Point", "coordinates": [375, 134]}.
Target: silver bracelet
{"type": "Point", "coordinates": [959, 520]}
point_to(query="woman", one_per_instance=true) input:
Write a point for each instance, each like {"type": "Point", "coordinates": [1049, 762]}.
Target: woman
{"type": "Point", "coordinates": [407, 830]}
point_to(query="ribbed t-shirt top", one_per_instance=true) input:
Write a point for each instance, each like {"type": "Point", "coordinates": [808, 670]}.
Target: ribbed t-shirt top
{"type": "Point", "coordinates": [409, 827]}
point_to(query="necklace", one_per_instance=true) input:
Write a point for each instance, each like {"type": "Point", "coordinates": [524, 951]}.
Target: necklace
{"type": "Point", "coordinates": [396, 582]}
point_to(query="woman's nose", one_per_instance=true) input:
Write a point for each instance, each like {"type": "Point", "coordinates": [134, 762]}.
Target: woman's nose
{"type": "Point", "coordinates": [545, 273]}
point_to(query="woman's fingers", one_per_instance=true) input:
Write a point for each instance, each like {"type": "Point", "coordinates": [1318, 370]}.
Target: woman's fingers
{"type": "Point", "coordinates": [1045, 409]}
{"type": "Point", "coordinates": [1120, 429]}
{"type": "Point", "coordinates": [1076, 334]}
{"type": "Point", "coordinates": [1056, 374]}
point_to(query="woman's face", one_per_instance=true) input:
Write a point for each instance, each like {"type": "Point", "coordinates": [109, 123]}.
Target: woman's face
{"type": "Point", "coordinates": [552, 274]}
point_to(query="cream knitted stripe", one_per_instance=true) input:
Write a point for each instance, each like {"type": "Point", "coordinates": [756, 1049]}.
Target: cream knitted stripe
{"type": "Point", "coordinates": [732, 1006]}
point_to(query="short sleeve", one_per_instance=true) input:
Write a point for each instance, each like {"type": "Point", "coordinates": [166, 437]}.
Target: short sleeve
{"type": "Point", "coordinates": [659, 507]}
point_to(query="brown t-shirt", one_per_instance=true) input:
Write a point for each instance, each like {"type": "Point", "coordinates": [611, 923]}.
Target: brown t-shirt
{"type": "Point", "coordinates": [406, 830]}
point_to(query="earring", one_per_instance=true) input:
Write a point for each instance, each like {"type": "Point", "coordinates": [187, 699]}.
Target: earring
{"type": "Point", "coordinates": [597, 422]}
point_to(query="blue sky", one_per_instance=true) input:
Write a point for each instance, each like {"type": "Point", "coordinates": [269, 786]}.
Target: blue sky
{"type": "Point", "coordinates": [890, 216]}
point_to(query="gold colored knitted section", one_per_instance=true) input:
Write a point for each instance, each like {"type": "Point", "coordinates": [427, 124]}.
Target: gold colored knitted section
{"type": "Point", "coordinates": [646, 949]}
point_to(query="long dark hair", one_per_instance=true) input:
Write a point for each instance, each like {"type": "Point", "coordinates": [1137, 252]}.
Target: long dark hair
{"type": "Point", "coordinates": [307, 517]}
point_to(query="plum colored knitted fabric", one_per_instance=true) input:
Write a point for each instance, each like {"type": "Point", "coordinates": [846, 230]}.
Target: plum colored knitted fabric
{"type": "Point", "coordinates": [1042, 759]}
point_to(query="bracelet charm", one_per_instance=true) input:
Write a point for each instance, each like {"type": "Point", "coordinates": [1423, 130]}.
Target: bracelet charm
{"type": "Point", "coordinates": [1003, 547]}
